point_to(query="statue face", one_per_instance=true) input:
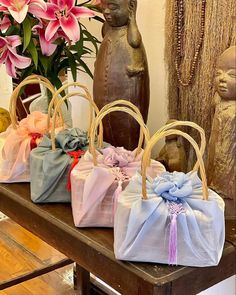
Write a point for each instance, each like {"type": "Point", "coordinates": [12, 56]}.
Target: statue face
{"type": "Point", "coordinates": [226, 74]}
{"type": "Point", "coordinates": [116, 12]}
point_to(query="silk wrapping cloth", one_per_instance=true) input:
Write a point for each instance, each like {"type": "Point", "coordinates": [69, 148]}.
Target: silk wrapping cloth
{"type": "Point", "coordinates": [95, 189]}
{"type": "Point", "coordinates": [16, 145]}
{"type": "Point", "coordinates": [50, 168]}
{"type": "Point", "coordinates": [142, 227]}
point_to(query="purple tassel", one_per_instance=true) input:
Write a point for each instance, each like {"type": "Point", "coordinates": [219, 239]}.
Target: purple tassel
{"type": "Point", "coordinates": [174, 210]}
{"type": "Point", "coordinates": [172, 258]}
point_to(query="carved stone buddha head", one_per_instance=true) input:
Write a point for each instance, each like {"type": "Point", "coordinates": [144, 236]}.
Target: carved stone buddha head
{"type": "Point", "coordinates": [226, 74]}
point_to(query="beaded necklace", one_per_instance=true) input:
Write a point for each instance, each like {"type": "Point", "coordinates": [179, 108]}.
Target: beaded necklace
{"type": "Point", "coordinates": [179, 24]}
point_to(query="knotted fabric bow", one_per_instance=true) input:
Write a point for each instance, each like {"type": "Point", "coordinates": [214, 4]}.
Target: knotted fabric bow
{"type": "Point", "coordinates": [118, 156]}
{"type": "Point", "coordinates": [173, 186]}
{"type": "Point", "coordinates": [18, 142]}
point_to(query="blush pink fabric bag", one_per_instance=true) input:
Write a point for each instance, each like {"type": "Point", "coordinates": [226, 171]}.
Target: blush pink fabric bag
{"type": "Point", "coordinates": [21, 137]}
{"type": "Point", "coordinates": [100, 176]}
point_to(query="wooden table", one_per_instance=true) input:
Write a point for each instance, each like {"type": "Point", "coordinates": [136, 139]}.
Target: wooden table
{"type": "Point", "coordinates": [92, 249]}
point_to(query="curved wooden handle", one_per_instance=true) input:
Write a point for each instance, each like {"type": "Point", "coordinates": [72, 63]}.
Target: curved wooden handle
{"type": "Point", "coordinates": [158, 136]}
{"type": "Point", "coordinates": [102, 114]}
{"type": "Point", "coordinates": [56, 97]}
{"type": "Point", "coordinates": [92, 103]}
{"type": "Point", "coordinates": [123, 102]}
{"type": "Point", "coordinates": [33, 79]}
{"type": "Point", "coordinates": [188, 124]}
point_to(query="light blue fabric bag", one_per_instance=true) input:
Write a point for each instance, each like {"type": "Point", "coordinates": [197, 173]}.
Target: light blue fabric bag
{"type": "Point", "coordinates": [172, 219]}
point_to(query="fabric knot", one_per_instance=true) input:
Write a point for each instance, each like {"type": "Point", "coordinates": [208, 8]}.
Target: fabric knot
{"type": "Point", "coordinates": [33, 140]}
{"type": "Point", "coordinates": [72, 139]}
{"type": "Point", "coordinates": [75, 155]}
{"type": "Point", "coordinates": [117, 157]}
{"type": "Point", "coordinates": [175, 208]}
{"type": "Point", "coordinates": [119, 174]}
{"type": "Point", "coordinates": [173, 186]}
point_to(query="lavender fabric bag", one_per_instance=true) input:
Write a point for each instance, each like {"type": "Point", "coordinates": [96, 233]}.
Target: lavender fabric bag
{"type": "Point", "coordinates": [172, 218]}
{"type": "Point", "coordinates": [96, 189]}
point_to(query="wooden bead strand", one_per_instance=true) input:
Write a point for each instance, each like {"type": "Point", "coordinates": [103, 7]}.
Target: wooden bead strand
{"type": "Point", "coordinates": [179, 25]}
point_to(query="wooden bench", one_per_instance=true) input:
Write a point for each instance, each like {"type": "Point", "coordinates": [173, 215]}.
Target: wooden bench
{"type": "Point", "coordinates": [92, 250]}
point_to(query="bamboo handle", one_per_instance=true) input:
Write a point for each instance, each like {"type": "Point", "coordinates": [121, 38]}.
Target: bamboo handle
{"type": "Point", "coordinates": [123, 102]}
{"type": "Point", "coordinates": [92, 103]}
{"type": "Point", "coordinates": [102, 114]}
{"type": "Point", "coordinates": [33, 79]}
{"type": "Point", "coordinates": [155, 138]}
{"type": "Point", "coordinates": [188, 124]}
{"type": "Point", "coordinates": [56, 98]}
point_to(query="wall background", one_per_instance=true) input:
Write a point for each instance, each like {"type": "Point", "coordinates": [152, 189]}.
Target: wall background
{"type": "Point", "coordinates": [151, 25]}
{"type": "Point", "coordinates": [5, 87]}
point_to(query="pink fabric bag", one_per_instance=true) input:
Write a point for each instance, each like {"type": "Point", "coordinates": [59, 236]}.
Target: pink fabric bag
{"type": "Point", "coordinates": [100, 176]}
{"type": "Point", "coordinates": [21, 137]}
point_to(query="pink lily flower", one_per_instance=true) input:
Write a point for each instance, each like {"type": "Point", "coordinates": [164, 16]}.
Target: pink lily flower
{"type": "Point", "coordinates": [5, 23]}
{"type": "Point", "coordinates": [64, 14]}
{"type": "Point", "coordinates": [48, 47]}
{"type": "Point", "coordinates": [19, 8]}
{"type": "Point", "coordinates": [9, 56]}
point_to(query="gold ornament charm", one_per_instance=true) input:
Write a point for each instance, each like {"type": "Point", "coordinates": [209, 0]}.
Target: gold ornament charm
{"type": "Point", "coordinates": [5, 120]}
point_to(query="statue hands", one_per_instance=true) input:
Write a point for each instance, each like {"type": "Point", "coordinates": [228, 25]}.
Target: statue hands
{"type": "Point", "coordinates": [133, 70]}
{"type": "Point", "coordinates": [134, 36]}
{"type": "Point", "coordinates": [132, 9]}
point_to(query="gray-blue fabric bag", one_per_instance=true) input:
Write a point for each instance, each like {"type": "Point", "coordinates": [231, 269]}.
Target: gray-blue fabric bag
{"type": "Point", "coordinates": [50, 168]}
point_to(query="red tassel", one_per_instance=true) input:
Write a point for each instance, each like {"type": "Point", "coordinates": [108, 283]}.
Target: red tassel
{"type": "Point", "coordinates": [76, 155]}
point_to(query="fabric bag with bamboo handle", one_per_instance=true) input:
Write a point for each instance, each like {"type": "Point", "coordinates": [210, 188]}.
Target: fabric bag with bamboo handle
{"type": "Point", "coordinates": [100, 176]}
{"type": "Point", "coordinates": [21, 137]}
{"type": "Point", "coordinates": [53, 160]}
{"type": "Point", "coordinates": [172, 219]}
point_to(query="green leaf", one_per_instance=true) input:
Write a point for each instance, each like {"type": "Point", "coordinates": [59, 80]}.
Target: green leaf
{"type": "Point", "coordinates": [27, 33]}
{"type": "Point", "coordinates": [56, 81]}
{"type": "Point", "coordinates": [92, 39]}
{"type": "Point", "coordinates": [44, 60]}
{"type": "Point", "coordinates": [26, 72]}
{"type": "Point", "coordinates": [34, 53]}
{"type": "Point", "coordinates": [82, 4]}
{"type": "Point", "coordinates": [72, 63]}
{"type": "Point", "coordinates": [63, 65]}
{"type": "Point", "coordinates": [86, 68]}
{"type": "Point", "coordinates": [98, 18]}
{"type": "Point", "coordinates": [13, 30]}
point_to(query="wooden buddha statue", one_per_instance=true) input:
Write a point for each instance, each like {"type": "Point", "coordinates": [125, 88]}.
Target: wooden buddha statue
{"type": "Point", "coordinates": [121, 71]}
{"type": "Point", "coordinates": [221, 168]}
